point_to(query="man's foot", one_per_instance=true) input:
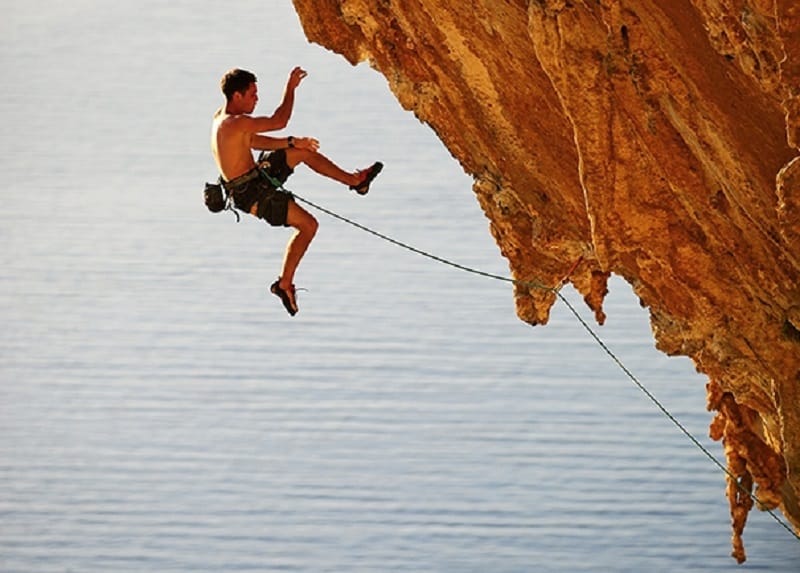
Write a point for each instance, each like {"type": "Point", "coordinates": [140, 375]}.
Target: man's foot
{"type": "Point", "coordinates": [287, 296]}
{"type": "Point", "coordinates": [371, 173]}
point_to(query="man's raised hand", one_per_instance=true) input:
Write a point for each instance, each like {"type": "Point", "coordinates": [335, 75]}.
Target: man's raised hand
{"type": "Point", "coordinates": [296, 76]}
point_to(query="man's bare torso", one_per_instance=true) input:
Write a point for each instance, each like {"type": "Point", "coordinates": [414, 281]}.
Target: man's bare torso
{"type": "Point", "coordinates": [230, 145]}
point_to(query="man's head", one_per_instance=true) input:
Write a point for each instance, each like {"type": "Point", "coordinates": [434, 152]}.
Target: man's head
{"type": "Point", "coordinates": [236, 80]}
{"type": "Point", "coordinates": [239, 87]}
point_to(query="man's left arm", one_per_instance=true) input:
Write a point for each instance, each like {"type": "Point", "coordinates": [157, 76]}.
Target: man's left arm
{"type": "Point", "coordinates": [266, 143]}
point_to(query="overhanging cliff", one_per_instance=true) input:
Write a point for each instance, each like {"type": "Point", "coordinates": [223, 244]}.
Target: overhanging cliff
{"type": "Point", "coordinates": [654, 140]}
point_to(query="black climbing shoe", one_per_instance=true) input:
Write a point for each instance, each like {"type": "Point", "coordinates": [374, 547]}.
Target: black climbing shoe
{"type": "Point", "coordinates": [372, 172]}
{"type": "Point", "coordinates": [288, 297]}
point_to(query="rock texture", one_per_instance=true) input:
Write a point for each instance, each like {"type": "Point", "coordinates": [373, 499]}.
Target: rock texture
{"type": "Point", "coordinates": [654, 140]}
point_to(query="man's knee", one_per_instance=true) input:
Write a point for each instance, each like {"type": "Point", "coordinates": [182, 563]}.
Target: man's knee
{"type": "Point", "coordinates": [306, 223]}
{"type": "Point", "coordinates": [310, 225]}
{"type": "Point", "coordinates": [296, 156]}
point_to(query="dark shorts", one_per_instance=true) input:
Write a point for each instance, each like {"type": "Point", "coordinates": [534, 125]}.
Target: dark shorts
{"type": "Point", "coordinates": [255, 188]}
{"type": "Point", "coordinates": [274, 163]}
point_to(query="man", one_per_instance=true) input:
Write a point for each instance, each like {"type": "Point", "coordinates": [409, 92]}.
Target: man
{"type": "Point", "coordinates": [235, 133]}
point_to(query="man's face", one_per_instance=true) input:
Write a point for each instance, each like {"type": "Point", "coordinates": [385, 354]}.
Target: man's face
{"type": "Point", "coordinates": [248, 100]}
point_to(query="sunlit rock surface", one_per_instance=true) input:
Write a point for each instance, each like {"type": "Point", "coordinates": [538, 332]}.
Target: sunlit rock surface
{"type": "Point", "coordinates": [654, 140]}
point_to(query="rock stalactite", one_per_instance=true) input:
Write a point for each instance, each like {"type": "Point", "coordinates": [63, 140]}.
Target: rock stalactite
{"type": "Point", "coordinates": [658, 141]}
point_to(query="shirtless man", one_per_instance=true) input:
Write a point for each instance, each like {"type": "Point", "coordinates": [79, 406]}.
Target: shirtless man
{"type": "Point", "coordinates": [235, 133]}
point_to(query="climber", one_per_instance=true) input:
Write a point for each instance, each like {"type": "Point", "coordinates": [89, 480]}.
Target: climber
{"type": "Point", "coordinates": [256, 188]}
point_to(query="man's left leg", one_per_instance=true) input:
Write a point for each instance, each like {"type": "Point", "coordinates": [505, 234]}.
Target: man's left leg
{"type": "Point", "coordinates": [322, 165]}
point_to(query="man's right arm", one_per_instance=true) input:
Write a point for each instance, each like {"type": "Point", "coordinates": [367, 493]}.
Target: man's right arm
{"type": "Point", "coordinates": [263, 123]}
{"type": "Point", "coordinates": [280, 119]}
{"type": "Point", "coordinates": [284, 111]}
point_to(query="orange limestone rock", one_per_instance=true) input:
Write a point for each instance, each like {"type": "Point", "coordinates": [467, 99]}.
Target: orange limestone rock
{"type": "Point", "coordinates": [750, 460]}
{"type": "Point", "coordinates": [654, 140]}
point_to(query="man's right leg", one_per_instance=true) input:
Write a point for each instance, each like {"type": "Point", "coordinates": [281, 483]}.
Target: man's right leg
{"type": "Point", "coordinates": [306, 227]}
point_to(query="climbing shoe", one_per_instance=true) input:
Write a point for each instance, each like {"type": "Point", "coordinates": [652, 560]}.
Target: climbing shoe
{"type": "Point", "coordinates": [372, 172]}
{"type": "Point", "coordinates": [287, 296]}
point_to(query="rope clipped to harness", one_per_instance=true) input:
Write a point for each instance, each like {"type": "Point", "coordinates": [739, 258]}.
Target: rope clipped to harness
{"type": "Point", "coordinates": [229, 207]}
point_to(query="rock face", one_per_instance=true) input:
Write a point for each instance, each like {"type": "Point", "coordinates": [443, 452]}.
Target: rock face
{"type": "Point", "coordinates": [654, 140]}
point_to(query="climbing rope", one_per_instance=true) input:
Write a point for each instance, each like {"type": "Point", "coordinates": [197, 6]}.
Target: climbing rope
{"type": "Point", "coordinates": [420, 251]}
{"type": "Point", "coordinates": [557, 291]}
{"type": "Point", "coordinates": [673, 419]}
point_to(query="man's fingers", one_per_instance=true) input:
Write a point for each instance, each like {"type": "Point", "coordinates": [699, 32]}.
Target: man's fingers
{"type": "Point", "coordinates": [310, 143]}
{"type": "Point", "coordinates": [299, 73]}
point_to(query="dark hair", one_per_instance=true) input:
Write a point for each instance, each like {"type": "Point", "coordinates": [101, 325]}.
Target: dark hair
{"type": "Point", "coordinates": [236, 80]}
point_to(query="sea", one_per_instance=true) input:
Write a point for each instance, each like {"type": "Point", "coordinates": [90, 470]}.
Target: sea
{"type": "Point", "coordinates": [160, 411]}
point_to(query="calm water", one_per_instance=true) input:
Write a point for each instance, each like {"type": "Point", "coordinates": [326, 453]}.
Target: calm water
{"type": "Point", "coordinates": [160, 412]}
